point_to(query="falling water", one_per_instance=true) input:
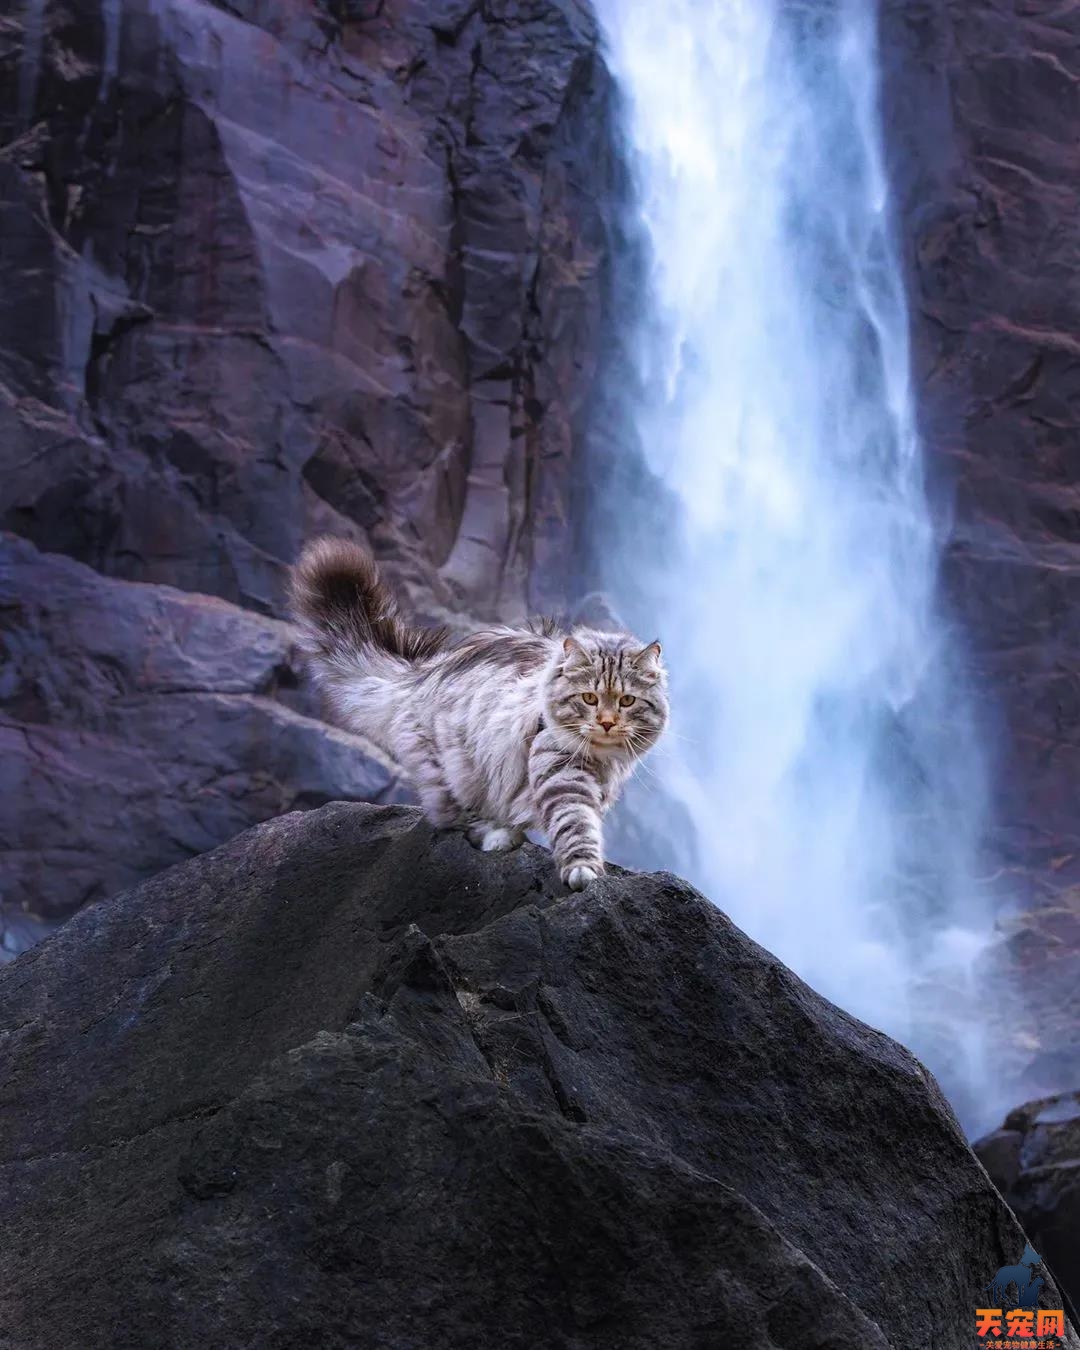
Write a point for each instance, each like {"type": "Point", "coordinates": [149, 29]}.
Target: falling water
{"type": "Point", "coordinates": [821, 748]}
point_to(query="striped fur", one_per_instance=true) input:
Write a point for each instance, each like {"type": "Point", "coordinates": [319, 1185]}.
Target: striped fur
{"type": "Point", "coordinates": [504, 731]}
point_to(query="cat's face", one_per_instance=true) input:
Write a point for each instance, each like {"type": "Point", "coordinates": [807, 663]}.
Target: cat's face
{"type": "Point", "coordinates": [610, 691]}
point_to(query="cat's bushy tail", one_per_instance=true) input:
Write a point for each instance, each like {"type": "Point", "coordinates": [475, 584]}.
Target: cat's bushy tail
{"type": "Point", "coordinates": [347, 615]}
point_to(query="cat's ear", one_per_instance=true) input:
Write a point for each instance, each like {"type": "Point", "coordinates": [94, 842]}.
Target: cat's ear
{"type": "Point", "coordinates": [648, 656]}
{"type": "Point", "coordinates": [574, 652]}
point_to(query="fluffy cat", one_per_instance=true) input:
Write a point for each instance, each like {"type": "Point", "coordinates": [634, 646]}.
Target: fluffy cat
{"type": "Point", "coordinates": [502, 731]}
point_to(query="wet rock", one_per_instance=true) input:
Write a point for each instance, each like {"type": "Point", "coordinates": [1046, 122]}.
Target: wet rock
{"type": "Point", "coordinates": [353, 1083]}
{"type": "Point", "coordinates": [1034, 1160]}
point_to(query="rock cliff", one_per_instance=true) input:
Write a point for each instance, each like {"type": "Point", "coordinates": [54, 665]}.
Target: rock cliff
{"type": "Point", "coordinates": [980, 112]}
{"type": "Point", "coordinates": [980, 116]}
{"type": "Point", "coordinates": [271, 269]}
{"type": "Point", "coordinates": [346, 1082]}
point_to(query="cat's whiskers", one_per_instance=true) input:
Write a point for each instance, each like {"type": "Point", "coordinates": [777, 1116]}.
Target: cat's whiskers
{"type": "Point", "coordinates": [638, 761]}
{"type": "Point", "coordinates": [583, 750]}
{"type": "Point", "coordinates": [680, 736]}
{"type": "Point", "coordinates": [638, 766]}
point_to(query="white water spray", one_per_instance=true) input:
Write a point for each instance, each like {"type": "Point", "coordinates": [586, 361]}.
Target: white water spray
{"type": "Point", "coordinates": [819, 746]}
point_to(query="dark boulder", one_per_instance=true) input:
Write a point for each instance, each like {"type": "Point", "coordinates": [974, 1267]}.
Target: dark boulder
{"type": "Point", "coordinates": [1034, 1160]}
{"type": "Point", "coordinates": [346, 1082]}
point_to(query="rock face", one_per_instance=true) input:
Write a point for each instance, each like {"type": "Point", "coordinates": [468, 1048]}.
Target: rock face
{"type": "Point", "coordinates": [282, 267]}
{"type": "Point", "coordinates": [271, 269]}
{"type": "Point", "coordinates": [1034, 1160]}
{"type": "Point", "coordinates": [138, 725]}
{"type": "Point", "coordinates": [351, 1083]}
{"type": "Point", "coordinates": [980, 114]}
{"type": "Point", "coordinates": [1040, 953]}
{"type": "Point", "coordinates": [980, 102]}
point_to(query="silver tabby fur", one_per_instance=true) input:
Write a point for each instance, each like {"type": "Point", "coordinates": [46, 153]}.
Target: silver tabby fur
{"type": "Point", "coordinates": [503, 731]}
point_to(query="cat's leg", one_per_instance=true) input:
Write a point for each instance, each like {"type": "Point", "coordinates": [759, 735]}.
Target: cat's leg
{"type": "Point", "coordinates": [439, 805]}
{"type": "Point", "coordinates": [424, 767]}
{"type": "Point", "coordinates": [491, 838]}
{"type": "Point", "coordinates": [568, 800]}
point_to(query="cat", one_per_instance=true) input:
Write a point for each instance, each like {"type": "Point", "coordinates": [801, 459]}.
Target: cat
{"type": "Point", "coordinates": [501, 731]}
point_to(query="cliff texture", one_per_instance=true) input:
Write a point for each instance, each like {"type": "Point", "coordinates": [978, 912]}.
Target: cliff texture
{"type": "Point", "coordinates": [980, 117]}
{"type": "Point", "coordinates": [270, 269]}
{"type": "Point", "coordinates": [981, 120]}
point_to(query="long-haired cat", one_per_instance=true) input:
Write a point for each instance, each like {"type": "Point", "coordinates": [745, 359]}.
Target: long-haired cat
{"type": "Point", "coordinates": [502, 731]}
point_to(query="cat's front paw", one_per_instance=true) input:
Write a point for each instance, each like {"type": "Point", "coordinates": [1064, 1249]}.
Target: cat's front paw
{"type": "Point", "coordinates": [579, 876]}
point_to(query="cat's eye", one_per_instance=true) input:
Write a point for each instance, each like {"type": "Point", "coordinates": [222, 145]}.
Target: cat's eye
{"type": "Point", "coordinates": [627, 700]}
{"type": "Point", "coordinates": [590, 699]}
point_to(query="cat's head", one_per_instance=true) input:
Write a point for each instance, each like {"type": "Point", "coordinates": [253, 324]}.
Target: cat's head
{"type": "Point", "coordinates": [609, 691]}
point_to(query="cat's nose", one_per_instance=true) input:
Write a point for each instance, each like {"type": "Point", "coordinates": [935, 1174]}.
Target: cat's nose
{"type": "Point", "coordinates": [606, 722]}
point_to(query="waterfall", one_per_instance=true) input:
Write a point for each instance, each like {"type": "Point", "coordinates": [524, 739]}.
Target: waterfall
{"type": "Point", "coordinates": [779, 538]}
